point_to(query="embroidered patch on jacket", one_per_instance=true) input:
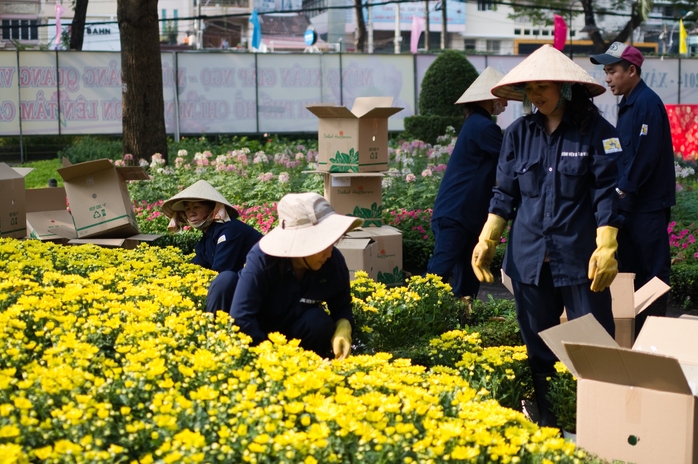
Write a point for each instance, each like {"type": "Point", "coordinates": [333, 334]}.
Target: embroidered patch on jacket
{"type": "Point", "coordinates": [309, 301]}
{"type": "Point", "coordinates": [643, 131]}
{"type": "Point", "coordinates": [221, 239]}
{"type": "Point", "coordinates": [612, 145]}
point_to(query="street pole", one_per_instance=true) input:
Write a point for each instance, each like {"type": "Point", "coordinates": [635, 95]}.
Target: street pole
{"type": "Point", "coordinates": [397, 29]}
{"type": "Point", "coordinates": [370, 28]}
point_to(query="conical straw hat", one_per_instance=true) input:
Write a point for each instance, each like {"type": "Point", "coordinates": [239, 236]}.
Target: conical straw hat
{"type": "Point", "coordinates": [200, 191]}
{"type": "Point", "coordinates": [479, 90]}
{"type": "Point", "coordinates": [545, 64]}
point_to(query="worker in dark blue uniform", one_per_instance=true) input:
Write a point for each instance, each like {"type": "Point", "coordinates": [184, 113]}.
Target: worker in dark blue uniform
{"type": "Point", "coordinates": [646, 177]}
{"type": "Point", "coordinates": [225, 241]}
{"type": "Point", "coordinates": [464, 196]}
{"type": "Point", "coordinates": [292, 272]}
{"type": "Point", "coordinates": [555, 182]}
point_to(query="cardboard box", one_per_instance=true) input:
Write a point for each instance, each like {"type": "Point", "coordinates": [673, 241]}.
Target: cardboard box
{"type": "Point", "coordinates": [626, 303]}
{"type": "Point", "coordinates": [356, 140]}
{"type": "Point", "coordinates": [634, 405]}
{"type": "Point", "coordinates": [376, 250]}
{"type": "Point", "coordinates": [12, 202]}
{"type": "Point", "coordinates": [48, 218]}
{"type": "Point", "coordinates": [99, 200]}
{"type": "Point", "coordinates": [357, 195]}
{"type": "Point", "coordinates": [128, 243]}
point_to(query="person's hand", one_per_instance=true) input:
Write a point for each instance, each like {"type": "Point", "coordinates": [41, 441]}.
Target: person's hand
{"type": "Point", "coordinates": [603, 266]}
{"type": "Point", "coordinates": [341, 340]}
{"type": "Point", "coordinates": [483, 253]}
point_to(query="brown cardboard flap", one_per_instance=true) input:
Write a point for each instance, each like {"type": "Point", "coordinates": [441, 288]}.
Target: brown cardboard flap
{"type": "Point", "coordinates": [23, 171]}
{"type": "Point", "coordinates": [325, 111]}
{"type": "Point", "coordinates": [668, 336]}
{"type": "Point", "coordinates": [82, 169]}
{"type": "Point", "coordinates": [506, 281]}
{"type": "Point", "coordinates": [109, 242]}
{"type": "Point", "coordinates": [621, 366]}
{"type": "Point", "coordinates": [45, 199]}
{"type": "Point", "coordinates": [381, 112]}
{"type": "Point", "coordinates": [6, 172]}
{"type": "Point", "coordinates": [145, 237]}
{"type": "Point", "coordinates": [362, 105]}
{"type": "Point", "coordinates": [47, 225]}
{"type": "Point", "coordinates": [133, 173]}
{"type": "Point", "coordinates": [354, 243]}
{"type": "Point", "coordinates": [65, 231]}
{"type": "Point", "coordinates": [585, 329]}
{"type": "Point", "coordinates": [354, 174]}
{"type": "Point", "coordinates": [649, 293]}
{"type": "Point", "coordinates": [623, 295]}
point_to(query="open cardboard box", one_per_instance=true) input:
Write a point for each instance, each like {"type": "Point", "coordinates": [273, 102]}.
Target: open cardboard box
{"type": "Point", "coordinates": [376, 250]}
{"type": "Point", "coordinates": [356, 194]}
{"type": "Point", "coordinates": [48, 218]}
{"type": "Point", "coordinates": [636, 405]}
{"type": "Point", "coordinates": [356, 140]}
{"type": "Point", "coordinates": [626, 305]}
{"type": "Point", "coordinates": [99, 200]}
{"type": "Point", "coordinates": [12, 201]}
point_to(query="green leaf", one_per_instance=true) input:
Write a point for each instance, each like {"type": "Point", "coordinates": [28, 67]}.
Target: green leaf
{"type": "Point", "coordinates": [345, 162]}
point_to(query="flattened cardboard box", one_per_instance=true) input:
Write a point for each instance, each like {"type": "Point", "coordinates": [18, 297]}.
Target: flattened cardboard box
{"type": "Point", "coordinates": [635, 405]}
{"type": "Point", "coordinates": [357, 195]}
{"type": "Point", "coordinates": [12, 203]}
{"type": "Point", "coordinates": [48, 218]}
{"type": "Point", "coordinates": [626, 303]}
{"type": "Point", "coordinates": [376, 250]}
{"type": "Point", "coordinates": [356, 140]}
{"type": "Point", "coordinates": [99, 200]}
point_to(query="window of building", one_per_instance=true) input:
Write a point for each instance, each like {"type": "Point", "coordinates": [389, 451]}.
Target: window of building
{"type": "Point", "coordinates": [527, 32]}
{"type": "Point", "coordinates": [536, 32]}
{"type": "Point", "coordinates": [485, 5]}
{"type": "Point", "coordinates": [20, 29]}
{"type": "Point", "coordinates": [469, 44]}
{"type": "Point", "coordinates": [545, 32]}
{"type": "Point", "coordinates": [517, 31]}
{"type": "Point", "coordinates": [573, 33]}
{"type": "Point", "coordinates": [494, 46]}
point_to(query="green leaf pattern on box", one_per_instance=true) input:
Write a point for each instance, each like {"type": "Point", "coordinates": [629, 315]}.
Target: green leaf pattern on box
{"type": "Point", "coordinates": [390, 279]}
{"type": "Point", "coordinates": [372, 216]}
{"type": "Point", "coordinates": [345, 162]}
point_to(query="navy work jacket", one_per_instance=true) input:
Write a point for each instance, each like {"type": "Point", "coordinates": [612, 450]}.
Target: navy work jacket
{"type": "Point", "coordinates": [558, 189]}
{"type": "Point", "coordinates": [269, 298]}
{"type": "Point", "coordinates": [466, 189]}
{"type": "Point", "coordinates": [225, 245]}
{"type": "Point", "coordinates": [646, 165]}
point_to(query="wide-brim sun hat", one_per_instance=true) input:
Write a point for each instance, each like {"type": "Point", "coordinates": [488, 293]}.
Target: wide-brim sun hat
{"type": "Point", "coordinates": [307, 225]}
{"type": "Point", "coordinates": [545, 64]}
{"type": "Point", "coordinates": [481, 87]}
{"type": "Point", "coordinates": [199, 191]}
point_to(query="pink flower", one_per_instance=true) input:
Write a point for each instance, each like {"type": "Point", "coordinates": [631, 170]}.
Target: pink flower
{"type": "Point", "coordinates": [410, 178]}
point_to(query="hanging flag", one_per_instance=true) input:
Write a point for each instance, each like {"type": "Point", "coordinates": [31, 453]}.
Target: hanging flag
{"type": "Point", "coordinates": [257, 31]}
{"type": "Point", "coordinates": [417, 27]}
{"type": "Point", "coordinates": [682, 38]}
{"type": "Point", "coordinates": [559, 32]}
{"type": "Point", "coordinates": [59, 12]}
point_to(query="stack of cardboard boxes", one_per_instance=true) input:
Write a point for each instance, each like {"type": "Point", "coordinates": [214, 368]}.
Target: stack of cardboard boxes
{"type": "Point", "coordinates": [101, 210]}
{"type": "Point", "coordinates": [353, 155]}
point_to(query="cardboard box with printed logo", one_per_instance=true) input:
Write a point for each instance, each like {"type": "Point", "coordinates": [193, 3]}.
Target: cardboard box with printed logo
{"type": "Point", "coordinates": [356, 140]}
{"type": "Point", "coordinates": [626, 303]}
{"type": "Point", "coordinates": [48, 218]}
{"type": "Point", "coordinates": [99, 200]}
{"type": "Point", "coordinates": [376, 250]}
{"type": "Point", "coordinates": [12, 202]}
{"type": "Point", "coordinates": [634, 405]}
{"type": "Point", "coordinates": [356, 194]}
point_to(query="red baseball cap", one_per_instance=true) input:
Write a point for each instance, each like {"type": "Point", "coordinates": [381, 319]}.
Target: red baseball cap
{"type": "Point", "coordinates": [619, 51]}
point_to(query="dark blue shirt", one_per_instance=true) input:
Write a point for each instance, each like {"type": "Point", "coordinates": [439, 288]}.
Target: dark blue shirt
{"type": "Point", "coordinates": [557, 189]}
{"type": "Point", "coordinates": [646, 166]}
{"type": "Point", "coordinates": [269, 298]}
{"type": "Point", "coordinates": [224, 246]}
{"type": "Point", "coordinates": [466, 189]}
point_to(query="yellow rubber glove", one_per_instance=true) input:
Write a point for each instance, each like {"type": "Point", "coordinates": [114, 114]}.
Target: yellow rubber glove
{"type": "Point", "coordinates": [341, 340]}
{"type": "Point", "coordinates": [603, 266]}
{"type": "Point", "coordinates": [483, 253]}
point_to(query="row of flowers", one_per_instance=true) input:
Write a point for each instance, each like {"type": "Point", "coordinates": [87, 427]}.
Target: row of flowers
{"type": "Point", "coordinates": [105, 356]}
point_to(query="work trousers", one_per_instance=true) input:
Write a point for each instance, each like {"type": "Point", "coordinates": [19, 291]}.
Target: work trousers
{"type": "Point", "coordinates": [314, 328]}
{"type": "Point", "coordinates": [453, 252]}
{"type": "Point", "coordinates": [539, 307]}
{"type": "Point", "coordinates": [221, 292]}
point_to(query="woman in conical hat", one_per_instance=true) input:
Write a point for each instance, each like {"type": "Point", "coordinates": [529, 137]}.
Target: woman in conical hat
{"type": "Point", "coordinates": [225, 241]}
{"type": "Point", "coordinates": [555, 182]}
{"type": "Point", "coordinates": [461, 205]}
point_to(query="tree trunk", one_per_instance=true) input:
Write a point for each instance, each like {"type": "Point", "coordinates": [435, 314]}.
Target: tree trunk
{"type": "Point", "coordinates": [360, 27]}
{"type": "Point", "coordinates": [426, 25]}
{"type": "Point", "coordinates": [444, 26]}
{"type": "Point", "coordinates": [77, 29]}
{"type": "Point", "coordinates": [141, 75]}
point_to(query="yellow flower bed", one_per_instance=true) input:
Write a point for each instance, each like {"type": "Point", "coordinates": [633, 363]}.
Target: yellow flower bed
{"type": "Point", "coordinates": [105, 357]}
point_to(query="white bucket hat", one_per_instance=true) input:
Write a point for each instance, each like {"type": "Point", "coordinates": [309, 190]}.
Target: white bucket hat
{"type": "Point", "coordinates": [307, 225]}
{"type": "Point", "coordinates": [200, 191]}
{"type": "Point", "coordinates": [481, 87]}
{"type": "Point", "coordinates": [545, 64]}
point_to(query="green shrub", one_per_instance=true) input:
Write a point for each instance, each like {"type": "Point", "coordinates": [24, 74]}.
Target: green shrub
{"type": "Point", "coordinates": [429, 127]}
{"type": "Point", "coordinates": [686, 209]}
{"type": "Point", "coordinates": [184, 241]}
{"type": "Point", "coordinates": [91, 148]}
{"type": "Point", "coordinates": [562, 394]}
{"type": "Point", "coordinates": [684, 284]}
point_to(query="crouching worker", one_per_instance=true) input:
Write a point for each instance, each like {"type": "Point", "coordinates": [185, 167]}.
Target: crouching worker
{"type": "Point", "coordinates": [292, 271]}
{"type": "Point", "coordinates": [225, 243]}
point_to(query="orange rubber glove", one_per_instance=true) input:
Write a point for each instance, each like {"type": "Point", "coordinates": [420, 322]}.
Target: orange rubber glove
{"type": "Point", "coordinates": [483, 253]}
{"type": "Point", "coordinates": [603, 266]}
{"type": "Point", "coordinates": [341, 340]}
